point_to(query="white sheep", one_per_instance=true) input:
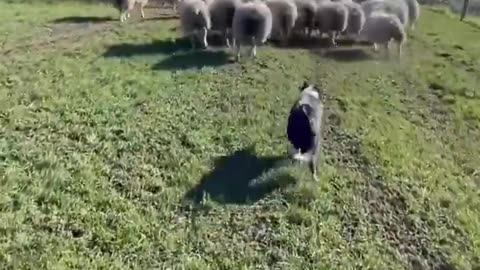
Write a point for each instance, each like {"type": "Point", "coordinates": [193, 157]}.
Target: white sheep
{"type": "Point", "coordinates": [398, 8]}
{"type": "Point", "coordinates": [195, 20]}
{"type": "Point", "coordinates": [284, 15]}
{"type": "Point", "coordinates": [356, 18]}
{"type": "Point", "coordinates": [381, 28]}
{"type": "Point", "coordinates": [306, 15]}
{"type": "Point", "coordinates": [413, 12]}
{"type": "Point", "coordinates": [252, 25]}
{"type": "Point", "coordinates": [221, 14]}
{"type": "Point", "coordinates": [126, 6]}
{"type": "Point", "coordinates": [331, 18]}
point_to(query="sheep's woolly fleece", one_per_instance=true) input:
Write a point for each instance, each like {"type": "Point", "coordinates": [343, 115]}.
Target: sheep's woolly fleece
{"type": "Point", "coordinates": [252, 21]}
{"type": "Point", "coordinates": [284, 15]}
{"type": "Point", "coordinates": [194, 15]}
{"type": "Point", "coordinates": [398, 8]}
{"type": "Point", "coordinates": [332, 16]}
{"type": "Point", "coordinates": [221, 13]}
{"type": "Point", "coordinates": [356, 17]}
{"type": "Point", "coordinates": [382, 27]}
{"type": "Point", "coordinates": [306, 14]}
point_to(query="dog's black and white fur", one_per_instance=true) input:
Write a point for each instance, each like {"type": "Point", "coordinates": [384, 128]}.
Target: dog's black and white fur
{"type": "Point", "coordinates": [304, 126]}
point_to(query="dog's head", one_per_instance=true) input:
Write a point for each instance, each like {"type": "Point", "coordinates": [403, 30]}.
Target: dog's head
{"type": "Point", "coordinates": [311, 88]}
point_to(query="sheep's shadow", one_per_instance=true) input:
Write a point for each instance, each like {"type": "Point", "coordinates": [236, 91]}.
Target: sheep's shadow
{"type": "Point", "coordinates": [83, 19]}
{"type": "Point", "coordinates": [162, 17]}
{"type": "Point", "coordinates": [155, 47]}
{"type": "Point", "coordinates": [194, 59]}
{"type": "Point", "coordinates": [165, 47]}
{"type": "Point", "coordinates": [300, 41]}
{"type": "Point", "coordinates": [347, 54]}
{"type": "Point", "coordinates": [234, 179]}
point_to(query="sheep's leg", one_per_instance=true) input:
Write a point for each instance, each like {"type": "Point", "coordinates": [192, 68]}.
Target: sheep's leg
{"type": "Point", "coordinates": [142, 12]}
{"type": "Point", "coordinates": [204, 37]}
{"type": "Point", "coordinates": [412, 26]}
{"type": "Point", "coordinates": [332, 38]}
{"type": "Point", "coordinates": [399, 50]}
{"type": "Point", "coordinates": [227, 42]}
{"type": "Point", "coordinates": [253, 50]}
{"type": "Point", "coordinates": [308, 31]}
{"type": "Point", "coordinates": [226, 36]}
{"type": "Point", "coordinates": [237, 54]}
{"type": "Point", "coordinates": [128, 14]}
{"type": "Point", "coordinates": [123, 16]}
{"type": "Point", "coordinates": [375, 47]}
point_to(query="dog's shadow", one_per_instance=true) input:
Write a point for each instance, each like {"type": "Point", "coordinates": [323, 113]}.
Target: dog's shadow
{"type": "Point", "coordinates": [241, 178]}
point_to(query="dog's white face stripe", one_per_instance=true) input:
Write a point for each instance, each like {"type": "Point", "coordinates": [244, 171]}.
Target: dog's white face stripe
{"type": "Point", "coordinates": [311, 91]}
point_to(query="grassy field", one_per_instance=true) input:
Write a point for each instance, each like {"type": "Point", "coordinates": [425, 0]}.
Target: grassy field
{"type": "Point", "coordinates": [122, 149]}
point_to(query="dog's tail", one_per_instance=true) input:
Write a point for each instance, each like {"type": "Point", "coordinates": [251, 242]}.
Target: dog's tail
{"type": "Point", "coordinates": [305, 157]}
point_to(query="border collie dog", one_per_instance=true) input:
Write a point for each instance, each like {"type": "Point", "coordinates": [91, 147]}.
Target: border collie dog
{"type": "Point", "coordinates": [304, 127]}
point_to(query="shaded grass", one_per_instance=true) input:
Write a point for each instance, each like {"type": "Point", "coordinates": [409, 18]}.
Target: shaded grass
{"type": "Point", "coordinates": [106, 130]}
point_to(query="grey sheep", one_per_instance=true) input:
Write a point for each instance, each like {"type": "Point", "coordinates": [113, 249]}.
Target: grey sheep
{"type": "Point", "coordinates": [126, 6]}
{"type": "Point", "coordinates": [252, 25]}
{"type": "Point", "coordinates": [304, 127]}
{"type": "Point", "coordinates": [306, 10]}
{"type": "Point", "coordinates": [221, 14]}
{"type": "Point", "coordinates": [398, 8]}
{"type": "Point", "coordinates": [195, 20]}
{"type": "Point", "coordinates": [381, 28]}
{"type": "Point", "coordinates": [284, 15]}
{"type": "Point", "coordinates": [331, 18]}
{"type": "Point", "coordinates": [413, 12]}
{"type": "Point", "coordinates": [356, 18]}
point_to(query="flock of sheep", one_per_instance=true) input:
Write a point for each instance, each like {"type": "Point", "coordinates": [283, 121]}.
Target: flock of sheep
{"type": "Point", "coordinates": [252, 22]}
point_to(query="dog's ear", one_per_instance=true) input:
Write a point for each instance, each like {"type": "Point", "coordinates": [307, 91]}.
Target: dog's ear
{"type": "Point", "coordinates": [318, 89]}
{"type": "Point", "coordinates": [304, 85]}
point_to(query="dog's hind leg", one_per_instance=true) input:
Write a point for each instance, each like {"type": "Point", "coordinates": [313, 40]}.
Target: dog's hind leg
{"type": "Point", "coordinates": [312, 164]}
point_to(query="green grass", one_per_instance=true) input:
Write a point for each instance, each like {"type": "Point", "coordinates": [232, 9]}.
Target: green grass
{"type": "Point", "coordinates": [121, 150]}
